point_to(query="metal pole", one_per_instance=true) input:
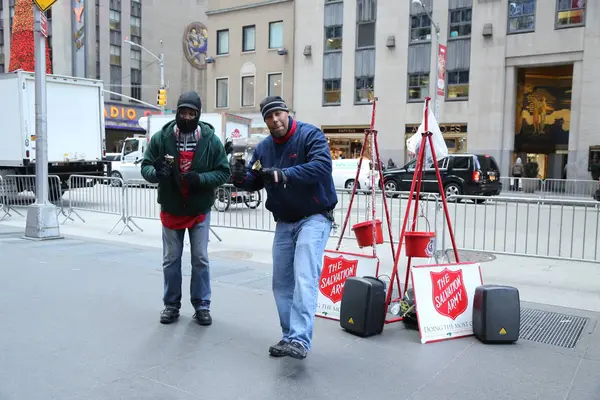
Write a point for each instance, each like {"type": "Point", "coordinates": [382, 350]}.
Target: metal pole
{"type": "Point", "coordinates": [41, 143]}
{"type": "Point", "coordinates": [162, 77]}
{"type": "Point", "coordinates": [42, 219]}
{"type": "Point", "coordinates": [436, 105]}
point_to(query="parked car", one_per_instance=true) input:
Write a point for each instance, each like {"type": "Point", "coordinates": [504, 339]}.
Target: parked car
{"type": "Point", "coordinates": [344, 172]}
{"type": "Point", "coordinates": [462, 174]}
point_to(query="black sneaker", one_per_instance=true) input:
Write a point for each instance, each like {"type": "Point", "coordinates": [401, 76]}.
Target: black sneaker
{"type": "Point", "coordinates": [203, 317]}
{"type": "Point", "coordinates": [169, 315]}
{"type": "Point", "coordinates": [279, 349]}
{"type": "Point", "coordinates": [296, 350]}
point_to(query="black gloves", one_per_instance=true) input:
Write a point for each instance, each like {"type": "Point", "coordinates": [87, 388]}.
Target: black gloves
{"type": "Point", "coordinates": [273, 176]}
{"type": "Point", "coordinates": [193, 180]}
{"type": "Point", "coordinates": [238, 171]}
{"type": "Point", "coordinates": [163, 170]}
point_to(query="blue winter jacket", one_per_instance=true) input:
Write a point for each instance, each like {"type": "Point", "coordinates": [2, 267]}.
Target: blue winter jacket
{"type": "Point", "coordinates": [304, 156]}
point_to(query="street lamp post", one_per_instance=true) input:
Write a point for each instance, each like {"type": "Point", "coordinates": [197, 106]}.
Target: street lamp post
{"type": "Point", "coordinates": [436, 106]}
{"type": "Point", "coordinates": [161, 63]}
{"type": "Point", "coordinates": [42, 219]}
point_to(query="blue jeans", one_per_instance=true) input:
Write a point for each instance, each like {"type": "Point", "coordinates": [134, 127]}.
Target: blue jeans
{"type": "Point", "coordinates": [200, 281]}
{"type": "Point", "coordinates": [297, 261]}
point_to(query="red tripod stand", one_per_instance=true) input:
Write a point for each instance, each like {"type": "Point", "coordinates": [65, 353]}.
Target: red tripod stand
{"type": "Point", "coordinates": [370, 139]}
{"type": "Point", "coordinates": [411, 236]}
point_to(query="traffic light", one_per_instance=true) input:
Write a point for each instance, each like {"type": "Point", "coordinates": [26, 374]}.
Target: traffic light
{"type": "Point", "coordinates": [162, 97]}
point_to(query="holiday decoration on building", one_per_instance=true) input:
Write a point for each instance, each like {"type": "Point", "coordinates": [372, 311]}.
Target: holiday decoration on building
{"type": "Point", "coordinates": [22, 45]}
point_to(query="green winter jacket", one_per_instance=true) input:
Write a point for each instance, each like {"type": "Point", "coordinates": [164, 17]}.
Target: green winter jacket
{"type": "Point", "coordinates": [210, 161]}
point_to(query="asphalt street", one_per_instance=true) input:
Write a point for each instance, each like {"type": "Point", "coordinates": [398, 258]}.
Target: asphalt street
{"type": "Point", "coordinates": [80, 321]}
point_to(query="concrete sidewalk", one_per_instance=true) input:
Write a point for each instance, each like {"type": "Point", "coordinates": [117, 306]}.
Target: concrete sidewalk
{"type": "Point", "coordinates": [555, 282]}
{"type": "Point", "coordinates": [80, 321]}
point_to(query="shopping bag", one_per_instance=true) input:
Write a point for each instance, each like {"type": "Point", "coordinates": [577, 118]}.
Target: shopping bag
{"type": "Point", "coordinates": [413, 143]}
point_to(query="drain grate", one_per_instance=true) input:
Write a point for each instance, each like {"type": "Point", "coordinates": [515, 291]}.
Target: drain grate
{"type": "Point", "coordinates": [551, 328]}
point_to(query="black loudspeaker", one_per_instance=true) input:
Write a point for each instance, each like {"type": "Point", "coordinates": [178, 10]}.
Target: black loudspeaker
{"type": "Point", "coordinates": [362, 311]}
{"type": "Point", "coordinates": [496, 314]}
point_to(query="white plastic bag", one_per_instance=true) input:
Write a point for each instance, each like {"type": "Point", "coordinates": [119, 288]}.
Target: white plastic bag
{"type": "Point", "coordinates": [413, 143]}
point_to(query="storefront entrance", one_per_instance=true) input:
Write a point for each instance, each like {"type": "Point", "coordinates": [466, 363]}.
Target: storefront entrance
{"type": "Point", "coordinates": [543, 117]}
{"type": "Point", "coordinates": [345, 142]}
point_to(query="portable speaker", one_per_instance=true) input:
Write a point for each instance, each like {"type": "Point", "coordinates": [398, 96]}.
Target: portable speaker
{"type": "Point", "coordinates": [496, 314]}
{"type": "Point", "coordinates": [362, 311]}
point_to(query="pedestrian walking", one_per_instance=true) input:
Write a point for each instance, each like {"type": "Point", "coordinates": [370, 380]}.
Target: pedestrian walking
{"type": "Point", "coordinates": [517, 173]}
{"type": "Point", "coordinates": [294, 165]}
{"type": "Point", "coordinates": [188, 162]}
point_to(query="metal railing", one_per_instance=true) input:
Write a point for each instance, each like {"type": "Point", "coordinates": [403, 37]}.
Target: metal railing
{"type": "Point", "coordinates": [549, 188]}
{"type": "Point", "coordinates": [17, 191]}
{"type": "Point", "coordinates": [528, 226]}
{"type": "Point", "coordinates": [550, 228]}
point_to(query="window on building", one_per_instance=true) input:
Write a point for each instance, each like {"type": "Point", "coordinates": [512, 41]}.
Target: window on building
{"type": "Point", "coordinates": [570, 13]}
{"type": "Point", "coordinates": [136, 8]}
{"type": "Point", "coordinates": [1, 68]}
{"type": "Point", "coordinates": [114, 20]}
{"type": "Point", "coordinates": [276, 35]}
{"type": "Point", "coordinates": [115, 55]}
{"type": "Point", "coordinates": [332, 78]}
{"type": "Point", "coordinates": [135, 26]}
{"type": "Point", "coordinates": [334, 21]}
{"type": "Point", "coordinates": [460, 22]}
{"type": "Point", "coordinates": [521, 16]}
{"type": "Point", "coordinates": [333, 38]}
{"type": "Point", "coordinates": [222, 97]}
{"type": "Point", "coordinates": [136, 59]}
{"type": "Point", "coordinates": [249, 38]}
{"type": "Point", "coordinates": [332, 91]}
{"type": "Point", "coordinates": [223, 42]}
{"type": "Point", "coordinates": [420, 27]}
{"type": "Point", "coordinates": [136, 83]}
{"type": "Point", "coordinates": [365, 89]}
{"type": "Point", "coordinates": [274, 85]}
{"type": "Point", "coordinates": [418, 86]}
{"type": "Point", "coordinates": [247, 91]}
{"type": "Point", "coordinates": [115, 81]}
{"type": "Point", "coordinates": [458, 85]}
{"type": "Point", "coordinates": [115, 38]}
{"type": "Point", "coordinates": [366, 15]}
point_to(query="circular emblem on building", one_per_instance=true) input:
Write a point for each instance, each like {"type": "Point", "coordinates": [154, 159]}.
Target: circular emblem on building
{"type": "Point", "coordinates": [195, 44]}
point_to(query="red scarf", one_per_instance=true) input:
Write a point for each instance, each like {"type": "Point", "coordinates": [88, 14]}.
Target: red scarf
{"type": "Point", "coordinates": [179, 222]}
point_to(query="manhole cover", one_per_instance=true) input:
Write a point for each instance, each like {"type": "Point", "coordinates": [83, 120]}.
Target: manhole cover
{"type": "Point", "coordinates": [232, 255]}
{"type": "Point", "coordinates": [551, 328]}
{"type": "Point", "coordinates": [469, 256]}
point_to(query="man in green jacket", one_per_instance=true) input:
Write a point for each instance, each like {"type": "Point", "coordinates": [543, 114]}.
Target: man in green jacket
{"type": "Point", "coordinates": [188, 162]}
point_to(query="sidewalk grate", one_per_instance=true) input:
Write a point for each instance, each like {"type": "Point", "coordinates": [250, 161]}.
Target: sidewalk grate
{"type": "Point", "coordinates": [551, 328]}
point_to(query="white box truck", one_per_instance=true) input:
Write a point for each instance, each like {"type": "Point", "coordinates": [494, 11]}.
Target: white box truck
{"type": "Point", "coordinates": [75, 127]}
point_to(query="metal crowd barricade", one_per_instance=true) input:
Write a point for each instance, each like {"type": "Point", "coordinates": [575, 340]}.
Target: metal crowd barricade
{"type": "Point", "coordinates": [98, 194]}
{"type": "Point", "coordinates": [18, 191]}
{"type": "Point", "coordinates": [583, 188]}
{"type": "Point", "coordinates": [549, 228]}
{"type": "Point", "coordinates": [140, 203]}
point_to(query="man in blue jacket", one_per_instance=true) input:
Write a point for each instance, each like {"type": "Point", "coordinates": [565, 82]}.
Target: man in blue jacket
{"type": "Point", "coordinates": [294, 165]}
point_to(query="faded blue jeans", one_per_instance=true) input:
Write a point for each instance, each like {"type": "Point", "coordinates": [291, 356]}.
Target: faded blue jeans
{"type": "Point", "coordinates": [297, 262]}
{"type": "Point", "coordinates": [200, 291]}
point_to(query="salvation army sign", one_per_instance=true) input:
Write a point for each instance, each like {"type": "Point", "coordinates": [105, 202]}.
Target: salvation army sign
{"type": "Point", "coordinates": [337, 267]}
{"type": "Point", "coordinates": [449, 293]}
{"type": "Point", "coordinates": [444, 299]}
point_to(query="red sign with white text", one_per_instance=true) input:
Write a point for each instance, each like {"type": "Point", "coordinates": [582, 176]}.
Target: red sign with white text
{"type": "Point", "coordinates": [449, 293]}
{"type": "Point", "coordinates": [337, 267]}
{"type": "Point", "coordinates": [441, 78]}
{"type": "Point", "coordinates": [444, 299]}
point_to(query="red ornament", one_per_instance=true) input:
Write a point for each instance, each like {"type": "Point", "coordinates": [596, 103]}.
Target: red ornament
{"type": "Point", "coordinates": [22, 46]}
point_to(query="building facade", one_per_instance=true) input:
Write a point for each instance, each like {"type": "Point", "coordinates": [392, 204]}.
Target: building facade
{"type": "Point", "coordinates": [250, 57]}
{"type": "Point", "coordinates": [517, 77]}
{"type": "Point", "coordinates": [92, 38]}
